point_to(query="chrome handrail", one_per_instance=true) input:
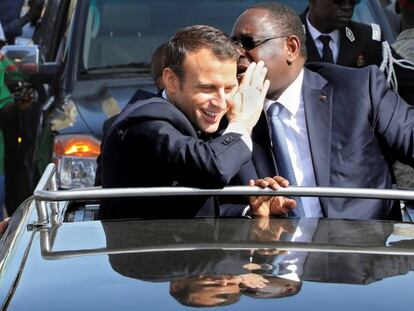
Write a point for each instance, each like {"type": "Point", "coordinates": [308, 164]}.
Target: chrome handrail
{"type": "Point", "coordinates": [48, 180]}
{"type": "Point", "coordinates": [99, 193]}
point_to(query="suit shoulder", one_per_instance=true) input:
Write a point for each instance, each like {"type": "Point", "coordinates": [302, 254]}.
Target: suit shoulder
{"type": "Point", "coordinates": [362, 31]}
{"type": "Point", "coordinates": [340, 74]}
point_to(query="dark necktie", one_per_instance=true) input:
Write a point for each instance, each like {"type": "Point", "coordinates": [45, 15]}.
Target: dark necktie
{"type": "Point", "coordinates": [327, 55]}
{"type": "Point", "coordinates": [281, 153]}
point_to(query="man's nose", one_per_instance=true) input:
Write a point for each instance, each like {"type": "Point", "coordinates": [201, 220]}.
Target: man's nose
{"type": "Point", "coordinates": [221, 99]}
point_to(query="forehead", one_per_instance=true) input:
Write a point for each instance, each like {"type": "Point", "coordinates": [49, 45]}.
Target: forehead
{"type": "Point", "coordinates": [254, 21]}
{"type": "Point", "coordinates": [205, 65]}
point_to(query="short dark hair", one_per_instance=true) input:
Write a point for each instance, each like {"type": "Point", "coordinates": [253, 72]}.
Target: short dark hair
{"type": "Point", "coordinates": [194, 38]}
{"type": "Point", "coordinates": [157, 62]}
{"type": "Point", "coordinates": [286, 21]}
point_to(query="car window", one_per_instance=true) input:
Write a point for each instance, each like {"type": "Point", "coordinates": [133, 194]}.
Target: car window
{"type": "Point", "coordinates": [125, 32]}
{"type": "Point", "coordinates": [111, 40]}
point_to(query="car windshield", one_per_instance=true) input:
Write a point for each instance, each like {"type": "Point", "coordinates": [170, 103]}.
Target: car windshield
{"type": "Point", "coordinates": [121, 35]}
{"type": "Point", "coordinates": [121, 32]}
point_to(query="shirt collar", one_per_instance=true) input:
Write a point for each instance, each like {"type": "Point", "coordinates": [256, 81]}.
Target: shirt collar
{"type": "Point", "coordinates": [315, 33]}
{"type": "Point", "coordinates": [2, 36]}
{"type": "Point", "coordinates": [164, 94]}
{"type": "Point", "coordinates": [291, 97]}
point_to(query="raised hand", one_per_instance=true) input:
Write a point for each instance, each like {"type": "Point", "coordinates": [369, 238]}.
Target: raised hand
{"type": "Point", "coordinates": [247, 103]}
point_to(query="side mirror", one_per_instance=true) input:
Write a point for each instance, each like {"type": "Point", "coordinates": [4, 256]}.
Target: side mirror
{"type": "Point", "coordinates": [25, 58]}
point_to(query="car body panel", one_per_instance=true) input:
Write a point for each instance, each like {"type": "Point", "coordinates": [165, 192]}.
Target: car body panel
{"type": "Point", "coordinates": [98, 100]}
{"type": "Point", "coordinates": [127, 280]}
{"type": "Point", "coordinates": [53, 259]}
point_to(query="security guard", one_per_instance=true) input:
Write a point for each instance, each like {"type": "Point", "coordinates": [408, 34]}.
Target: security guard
{"type": "Point", "coordinates": [331, 36]}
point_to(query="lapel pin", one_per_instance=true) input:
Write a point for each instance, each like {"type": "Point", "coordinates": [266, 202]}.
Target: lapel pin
{"type": "Point", "coordinates": [360, 61]}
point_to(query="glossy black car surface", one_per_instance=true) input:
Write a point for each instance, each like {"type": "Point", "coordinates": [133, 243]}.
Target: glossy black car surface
{"type": "Point", "coordinates": [175, 264]}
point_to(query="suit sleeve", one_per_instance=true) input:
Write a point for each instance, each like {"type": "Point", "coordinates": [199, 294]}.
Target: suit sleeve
{"type": "Point", "coordinates": [393, 118]}
{"type": "Point", "coordinates": [192, 161]}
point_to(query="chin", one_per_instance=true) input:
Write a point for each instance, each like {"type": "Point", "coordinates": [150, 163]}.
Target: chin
{"type": "Point", "coordinates": [210, 129]}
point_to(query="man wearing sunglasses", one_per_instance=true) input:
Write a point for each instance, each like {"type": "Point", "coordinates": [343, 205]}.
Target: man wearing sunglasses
{"type": "Point", "coordinates": [331, 36]}
{"type": "Point", "coordinates": [342, 126]}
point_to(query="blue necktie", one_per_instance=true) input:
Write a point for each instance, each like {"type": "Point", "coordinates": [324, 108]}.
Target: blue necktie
{"type": "Point", "coordinates": [281, 153]}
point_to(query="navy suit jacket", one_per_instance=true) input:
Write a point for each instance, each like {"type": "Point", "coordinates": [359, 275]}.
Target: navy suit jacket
{"type": "Point", "coordinates": [357, 126]}
{"type": "Point", "coordinates": [153, 144]}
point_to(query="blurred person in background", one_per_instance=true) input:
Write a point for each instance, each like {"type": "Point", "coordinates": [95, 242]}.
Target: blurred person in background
{"type": "Point", "coordinates": [157, 66]}
{"type": "Point", "coordinates": [331, 36]}
{"type": "Point", "coordinates": [404, 44]}
{"type": "Point", "coordinates": [16, 95]}
{"type": "Point", "coordinates": [11, 19]}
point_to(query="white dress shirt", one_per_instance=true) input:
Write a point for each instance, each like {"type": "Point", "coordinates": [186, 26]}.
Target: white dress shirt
{"type": "Point", "coordinates": [2, 36]}
{"type": "Point", "coordinates": [333, 44]}
{"type": "Point", "coordinates": [293, 262]}
{"type": "Point", "coordinates": [294, 123]}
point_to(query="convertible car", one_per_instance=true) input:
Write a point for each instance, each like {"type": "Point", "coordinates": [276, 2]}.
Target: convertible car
{"type": "Point", "coordinates": [57, 255]}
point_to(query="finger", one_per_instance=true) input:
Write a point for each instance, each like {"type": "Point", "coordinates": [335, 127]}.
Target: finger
{"type": "Point", "coordinates": [251, 183]}
{"type": "Point", "coordinates": [234, 102]}
{"type": "Point", "coordinates": [256, 81]}
{"type": "Point", "coordinates": [262, 77]}
{"type": "Point", "coordinates": [281, 181]}
{"type": "Point", "coordinates": [289, 203]}
{"type": "Point", "coordinates": [4, 224]}
{"type": "Point", "coordinates": [272, 183]}
{"type": "Point", "coordinates": [280, 207]}
{"type": "Point", "coordinates": [264, 90]}
{"type": "Point", "coordinates": [247, 77]}
{"type": "Point", "coordinates": [262, 183]}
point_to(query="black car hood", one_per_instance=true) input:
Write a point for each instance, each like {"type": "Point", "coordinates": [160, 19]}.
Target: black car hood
{"type": "Point", "coordinates": [97, 100]}
{"type": "Point", "coordinates": [166, 264]}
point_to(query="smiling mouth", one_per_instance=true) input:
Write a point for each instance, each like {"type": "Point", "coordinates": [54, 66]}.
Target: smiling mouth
{"type": "Point", "coordinates": [211, 116]}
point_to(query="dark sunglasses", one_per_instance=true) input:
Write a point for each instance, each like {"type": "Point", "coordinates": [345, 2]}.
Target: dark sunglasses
{"type": "Point", "coordinates": [248, 43]}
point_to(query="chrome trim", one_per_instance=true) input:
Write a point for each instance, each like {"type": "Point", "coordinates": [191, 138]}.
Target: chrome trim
{"type": "Point", "coordinates": [42, 193]}
{"type": "Point", "coordinates": [47, 253]}
{"type": "Point", "coordinates": [44, 183]}
{"type": "Point", "coordinates": [98, 193]}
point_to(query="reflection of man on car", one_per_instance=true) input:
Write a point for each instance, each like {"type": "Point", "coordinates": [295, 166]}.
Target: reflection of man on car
{"type": "Point", "coordinates": [196, 273]}
{"type": "Point", "coordinates": [183, 141]}
{"type": "Point", "coordinates": [203, 291]}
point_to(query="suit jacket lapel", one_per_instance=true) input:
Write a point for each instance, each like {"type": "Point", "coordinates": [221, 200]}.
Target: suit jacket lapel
{"type": "Point", "coordinates": [317, 97]}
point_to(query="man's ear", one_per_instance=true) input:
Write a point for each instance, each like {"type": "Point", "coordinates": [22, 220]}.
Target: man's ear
{"type": "Point", "coordinates": [170, 80]}
{"type": "Point", "coordinates": [293, 47]}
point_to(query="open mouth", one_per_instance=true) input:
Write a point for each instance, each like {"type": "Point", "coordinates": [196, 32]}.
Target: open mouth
{"type": "Point", "coordinates": [210, 116]}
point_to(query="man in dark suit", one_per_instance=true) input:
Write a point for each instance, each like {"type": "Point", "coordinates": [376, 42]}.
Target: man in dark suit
{"type": "Point", "coordinates": [180, 142]}
{"type": "Point", "coordinates": [342, 125]}
{"type": "Point", "coordinates": [350, 43]}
